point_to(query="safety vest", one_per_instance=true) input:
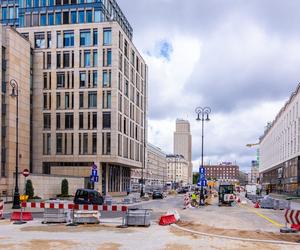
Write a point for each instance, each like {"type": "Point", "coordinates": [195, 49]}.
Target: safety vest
{"type": "Point", "coordinates": [194, 197]}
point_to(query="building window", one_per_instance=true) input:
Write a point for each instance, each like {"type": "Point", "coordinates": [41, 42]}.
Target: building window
{"type": "Point", "coordinates": [106, 143]}
{"type": "Point", "coordinates": [66, 17]}
{"type": "Point", "coordinates": [92, 99]}
{"type": "Point", "coordinates": [85, 143]}
{"type": "Point", "coordinates": [81, 102]}
{"type": "Point", "coordinates": [59, 143]}
{"type": "Point", "coordinates": [95, 37]}
{"type": "Point", "coordinates": [73, 17]}
{"type": "Point", "coordinates": [50, 19]}
{"type": "Point", "coordinates": [39, 40]}
{"type": "Point", "coordinates": [43, 20]}
{"type": "Point", "coordinates": [106, 77]}
{"type": "Point", "coordinates": [81, 16]}
{"type": "Point", "coordinates": [87, 58]}
{"type": "Point", "coordinates": [58, 121]}
{"type": "Point", "coordinates": [58, 101]}
{"type": "Point", "coordinates": [82, 79]}
{"type": "Point", "coordinates": [47, 121]}
{"type": "Point", "coordinates": [95, 79]}
{"type": "Point", "coordinates": [95, 58]}
{"type": "Point", "coordinates": [66, 57]}
{"type": "Point", "coordinates": [59, 42]}
{"type": "Point", "coordinates": [68, 38]}
{"type": "Point", "coordinates": [94, 143]}
{"type": "Point", "coordinates": [69, 121]}
{"type": "Point", "coordinates": [97, 16]}
{"type": "Point", "coordinates": [60, 79]}
{"type": "Point", "coordinates": [106, 120]}
{"type": "Point", "coordinates": [85, 38]}
{"type": "Point", "coordinates": [47, 144]}
{"type": "Point", "coordinates": [57, 18]}
{"type": "Point", "coordinates": [94, 121]}
{"type": "Point", "coordinates": [107, 38]}
{"type": "Point", "coordinates": [89, 16]}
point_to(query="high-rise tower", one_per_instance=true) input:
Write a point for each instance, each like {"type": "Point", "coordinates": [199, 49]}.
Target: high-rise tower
{"type": "Point", "coordinates": [183, 143]}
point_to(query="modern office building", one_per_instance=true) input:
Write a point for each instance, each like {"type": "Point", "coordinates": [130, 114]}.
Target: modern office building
{"type": "Point", "coordinates": [155, 172]}
{"type": "Point", "coordinates": [183, 144]}
{"type": "Point", "coordinates": [15, 67]}
{"type": "Point", "coordinates": [177, 170]}
{"type": "Point", "coordinates": [279, 164]}
{"type": "Point", "coordinates": [9, 14]}
{"type": "Point", "coordinates": [223, 172]}
{"type": "Point", "coordinates": [89, 90]}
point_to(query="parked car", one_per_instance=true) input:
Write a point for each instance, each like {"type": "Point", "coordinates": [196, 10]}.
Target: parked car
{"type": "Point", "coordinates": [88, 196]}
{"type": "Point", "coordinates": [157, 195]}
{"type": "Point", "coordinates": [183, 190]}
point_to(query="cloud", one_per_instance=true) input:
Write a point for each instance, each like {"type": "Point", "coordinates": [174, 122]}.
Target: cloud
{"type": "Point", "coordinates": [241, 58]}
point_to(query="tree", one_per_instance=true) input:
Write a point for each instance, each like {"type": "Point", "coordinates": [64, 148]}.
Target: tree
{"type": "Point", "coordinates": [64, 188]}
{"type": "Point", "coordinates": [195, 178]}
{"type": "Point", "coordinates": [29, 190]}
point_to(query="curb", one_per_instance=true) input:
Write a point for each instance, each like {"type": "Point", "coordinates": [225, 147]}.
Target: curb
{"type": "Point", "coordinates": [236, 238]}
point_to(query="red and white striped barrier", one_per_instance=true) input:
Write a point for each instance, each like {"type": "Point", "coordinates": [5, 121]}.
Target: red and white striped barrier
{"type": "Point", "coordinates": [85, 207]}
{"type": "Point", "coordinates": [293, 217]}
{"type": "Point", "coordinates": [1, 209]}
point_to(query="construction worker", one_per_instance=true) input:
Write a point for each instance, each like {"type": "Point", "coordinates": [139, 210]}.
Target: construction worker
{"type": "Point", "coordinates": [194, 199]}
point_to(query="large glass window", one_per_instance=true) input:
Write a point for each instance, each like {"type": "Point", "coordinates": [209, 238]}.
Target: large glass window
{"type": "Point", "coordinates": [107, 40]}
{"type": "Point", "coordinates": [50, 19]}
{"type": "Point", "coordinates": [95, 79]}
{"type": "Point", "coordinates": [97, 16]}
{"type": "Point", "coordinates": [95, 37]}
{"type": "Point", "coordinates": [82, 78]}
{"type": "Point", "coordinates": [106, 120]}
{"type": "Point", "coordinates": [59, 41]}
{"type": "Point", "coordinates": [66, 17]}
{"type": "Point", "coordinates": [69, 119]}
{"type": "Point", "coordinates": [85, 38]}
{"type": "Point", "coordinates": [47, 121]}
{"type": "Point", "coordinates": [92, 99]}
{"type": "Point", "coordinates": [73, 16]}
{"type": "Point", "coordinates": [58, 18]}
{"type": "Point", "coordinates": [87, 58]}
{"type": "Point", "coordinates": [59, 143]}
{"type": "Point", "coordinates": [60, 80]}
{"type": "Point", "coordinates": [39, 40]}
{"type": "Point", "coordinates": [106, 77]}
{"type": "Point", "coordinates": [43, 19]}
{"type": "Point", "coordinates": [109, 57]}
{"type": "Point", "coordinates": [4, 13]}
{"type": "Point", "coordinates": [89, 16]}
{"type": "Point", "coordinates": [81, 16]}
{"type": "Point", "coordinates": [68, 38]}
{"type": "Point", "coordinates": [95, 58]}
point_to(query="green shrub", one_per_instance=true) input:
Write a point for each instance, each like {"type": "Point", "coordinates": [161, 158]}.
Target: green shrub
{"type": "Point", "coordinates": [29, 190]}
{"type": "Point", "coordinates": [64, 188]}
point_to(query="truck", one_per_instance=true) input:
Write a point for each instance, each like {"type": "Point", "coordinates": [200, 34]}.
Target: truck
{"type": "Point", "coordinates": [251, 189]}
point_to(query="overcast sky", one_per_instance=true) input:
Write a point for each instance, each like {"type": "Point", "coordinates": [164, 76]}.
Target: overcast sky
{"type": "Point", "coordinates": [241, 58]}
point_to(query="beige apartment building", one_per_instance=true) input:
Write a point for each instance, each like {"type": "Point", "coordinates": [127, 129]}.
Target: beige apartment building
{"type": "Point", "coordinates": [89, 91]}
{"type": "Point", "coordinates": [177, 170]}
{"type": "Point", "coordinates": [183, 144]}
{"type": "Point", "coordinates": [155, 172]}
{"type": "Point", "coordinates": [15, 65]}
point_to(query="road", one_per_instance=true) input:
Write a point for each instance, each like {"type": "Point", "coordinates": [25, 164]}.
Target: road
{"type": "Point", "coordinates": [241, 221]}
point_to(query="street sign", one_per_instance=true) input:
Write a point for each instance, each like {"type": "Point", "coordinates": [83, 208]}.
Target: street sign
{"type": "Point", "coordinates": [202, 183]}
{"type": "Point", "coordinates": [202, 176]}
{"type": "Point", "coordinates": [94, 178]}
{"type": "Point", "coordinates": [94, 172]}
{"type": "Point", "coordinates": [202, 170]}
{"type": "Point", "coordinates": [94, 166]}
{"type": "Point", "coordinates": [25, 172]}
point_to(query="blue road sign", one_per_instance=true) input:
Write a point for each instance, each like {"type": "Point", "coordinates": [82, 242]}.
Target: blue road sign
{"type": "Point", "coordinates": [202, 170]}
{"type": "Point", "coordinates": [202, 176]}
{"type": "Point", "coordinates": [94, 172]}
{"type": "Point", "coordinates": [94, 178]}
{"type": "Point", "coordinates": [202, 183]}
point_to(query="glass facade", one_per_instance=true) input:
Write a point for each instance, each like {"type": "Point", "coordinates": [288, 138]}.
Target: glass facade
{"type": "Point", "coordinates": [28, 13]}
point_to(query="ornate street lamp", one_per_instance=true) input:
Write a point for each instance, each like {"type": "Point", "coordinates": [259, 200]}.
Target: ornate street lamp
{"type": "Point", "coordinates": [202, 115]}
{"type": "Point", "coordinates": [15, 94]}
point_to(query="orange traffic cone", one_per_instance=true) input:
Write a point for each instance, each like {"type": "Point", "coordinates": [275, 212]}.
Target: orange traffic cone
{"type": "Point", "coordinates": [256, 205]}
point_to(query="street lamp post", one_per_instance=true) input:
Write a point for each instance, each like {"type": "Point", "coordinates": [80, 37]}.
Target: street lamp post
{"type": "Point", "coordinates": [15, 93]}
{"type": "Point", "coordinates": [202, 115]}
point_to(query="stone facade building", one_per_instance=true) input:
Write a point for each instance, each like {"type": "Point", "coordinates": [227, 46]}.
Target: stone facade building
{"type": "Point", "coordinates": [279, 164]}
{"type": "Point", "coordinates": [183, 144]}
{"type": "Point", "coordinates": [88, 91]}
{"type": "Point", "coordinates": [155, 173]}
{"type": "Point", "coordinates": [177, 170]}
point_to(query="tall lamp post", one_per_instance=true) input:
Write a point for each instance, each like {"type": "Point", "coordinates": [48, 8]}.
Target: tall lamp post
{"type": "Point", "coordinates": [202, 115]}
{"type": "Point", "coordinates": [15, 94]}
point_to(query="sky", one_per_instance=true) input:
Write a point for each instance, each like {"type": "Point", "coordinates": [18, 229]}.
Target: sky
{"type": "Point", "coordinates": [240, 58]}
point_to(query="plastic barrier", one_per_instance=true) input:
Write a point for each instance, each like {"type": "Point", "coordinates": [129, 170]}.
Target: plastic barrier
{"type": "Point", "coordinates": [21, 216]}
{"type": "Point", "coordinates": [167, 220]}
{"type": "Point", "coordinates": [293, 217]}
{"type": "Point", "coordinates": [104, 208]}
{"type": "Point", "coordinates": [1, 209]}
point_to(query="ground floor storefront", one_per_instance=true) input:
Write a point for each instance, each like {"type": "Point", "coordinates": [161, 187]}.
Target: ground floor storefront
{"type": "Point", "coordinates": [112, 178]}
{"type": "Point", "coordinates": [283, 178]}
